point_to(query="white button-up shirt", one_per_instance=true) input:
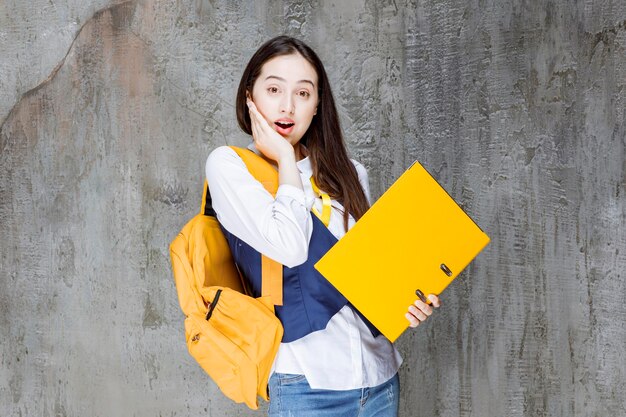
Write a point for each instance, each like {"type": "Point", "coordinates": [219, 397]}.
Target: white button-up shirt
{"type": "Point", "coordinates": [342, 356]}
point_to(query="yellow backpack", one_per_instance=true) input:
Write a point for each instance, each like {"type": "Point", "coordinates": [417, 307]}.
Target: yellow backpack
{"type": "Point", "coordinates": [233, 336]}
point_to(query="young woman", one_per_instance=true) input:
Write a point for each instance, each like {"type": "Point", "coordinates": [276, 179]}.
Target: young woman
{"type": "Point", "coordinates": [332, 361]}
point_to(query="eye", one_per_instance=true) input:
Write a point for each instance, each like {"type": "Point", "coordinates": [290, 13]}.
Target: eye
{"type": "Point", "coordinates": [272, 90]}
{"type": "Point", "coordinates": [304, 93]}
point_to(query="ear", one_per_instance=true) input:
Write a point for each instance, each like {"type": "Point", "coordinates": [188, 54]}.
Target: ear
{"type": "Point", "coordinates": [315, 112]}
{"type": "Point", "coordinates": [248, 95]}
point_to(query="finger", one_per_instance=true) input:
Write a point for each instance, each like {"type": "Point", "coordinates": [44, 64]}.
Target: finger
{"type": "Point", "coordinates": [254, 121]}
{"type": "Point", "coordinates": [425, 308]}
{"type": "Point", "coordinates": [254, 127]}
{"type": "Point", "coordinates": [258, 121]}
{"type": "Point", "coordinates": [254, 112]}
{"type": "Point", "coordinates": [417, 313]}
{"type": "Point", "coordinates": [435, 300]}
{"type": "Point", "coordinates": [413, 322]}
{"type": "Point", "coordinates": [256, 135]}
{"type": "Point", "coordinates": [262, 124]}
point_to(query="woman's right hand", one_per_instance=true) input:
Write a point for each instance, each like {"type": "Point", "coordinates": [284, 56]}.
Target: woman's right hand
{"type": "Point", "coordinates": [419, 311]}
{"type": "Point", "coordinates": [266, 139]}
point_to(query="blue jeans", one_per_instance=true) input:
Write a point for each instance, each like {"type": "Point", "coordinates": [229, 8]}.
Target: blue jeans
{"type": "Point", "coordinates": [291, 396]}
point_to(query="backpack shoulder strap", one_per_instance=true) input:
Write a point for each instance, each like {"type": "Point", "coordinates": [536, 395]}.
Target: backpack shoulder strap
{"type": "Point", "coordinates": [260, 169]}
{"type": "Point", "coordinates": [267, 175]}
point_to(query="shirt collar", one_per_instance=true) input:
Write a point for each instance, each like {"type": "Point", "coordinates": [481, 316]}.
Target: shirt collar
{"type": "Point", "coordinates": [304, 165]}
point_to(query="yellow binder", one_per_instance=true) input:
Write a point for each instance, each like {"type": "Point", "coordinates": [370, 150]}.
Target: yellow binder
{"type": "Point", "coordinates": [415, 238]}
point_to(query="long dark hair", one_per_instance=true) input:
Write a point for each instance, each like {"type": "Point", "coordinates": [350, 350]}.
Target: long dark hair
{"type": "Point", "coordinates": [332, 169]}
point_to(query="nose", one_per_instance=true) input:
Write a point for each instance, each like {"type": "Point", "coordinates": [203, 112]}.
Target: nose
{"type": "Point", "coordinates": [287, 104]}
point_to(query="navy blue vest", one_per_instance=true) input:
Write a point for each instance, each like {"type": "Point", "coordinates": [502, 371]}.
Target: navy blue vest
{"type": "Point", "coordinates": [309, 300]}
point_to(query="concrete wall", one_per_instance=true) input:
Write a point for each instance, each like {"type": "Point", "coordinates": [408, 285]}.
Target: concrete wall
{"type": "Point", "coordinates": [109, 109]}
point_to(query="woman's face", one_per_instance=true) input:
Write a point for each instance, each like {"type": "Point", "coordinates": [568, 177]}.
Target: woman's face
{"type": "Point", "coordinates": [285, 93]}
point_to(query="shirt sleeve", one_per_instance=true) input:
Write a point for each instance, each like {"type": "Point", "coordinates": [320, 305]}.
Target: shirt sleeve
{"type": "Point", "coordinates": [279, 227]}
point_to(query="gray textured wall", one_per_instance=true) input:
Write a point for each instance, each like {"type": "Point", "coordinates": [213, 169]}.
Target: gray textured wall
{"type": "Point", "coordinates": [109, 109]}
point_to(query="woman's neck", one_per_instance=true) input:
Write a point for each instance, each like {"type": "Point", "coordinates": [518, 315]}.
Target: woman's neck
{"type": "Point", "coordinates": [301, 151]}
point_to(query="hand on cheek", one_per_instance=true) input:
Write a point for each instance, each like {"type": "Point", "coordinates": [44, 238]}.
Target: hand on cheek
{"type": "Point", "coordinates": [419, 311]}
{"type": "Point", "coordinates": [266, 139]}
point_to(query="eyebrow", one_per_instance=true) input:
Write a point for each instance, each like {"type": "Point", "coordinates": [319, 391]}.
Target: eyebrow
{"type": "Point", "coordinates": [283, 80]}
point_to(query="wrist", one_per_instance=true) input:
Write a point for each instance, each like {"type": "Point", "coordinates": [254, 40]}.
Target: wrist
{"type": "Point", "coordinates": [287, 155]}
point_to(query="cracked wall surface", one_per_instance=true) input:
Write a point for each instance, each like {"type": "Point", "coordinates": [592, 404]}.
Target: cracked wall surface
{"type": "Point", "coordinates": [109, 109]}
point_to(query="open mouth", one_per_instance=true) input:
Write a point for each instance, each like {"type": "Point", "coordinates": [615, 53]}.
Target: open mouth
{"type": "Point", "coordinates": [284, 125]}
